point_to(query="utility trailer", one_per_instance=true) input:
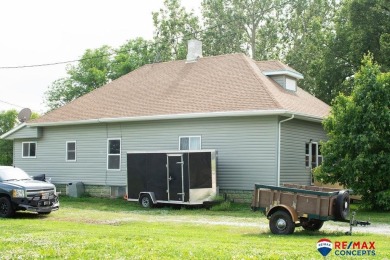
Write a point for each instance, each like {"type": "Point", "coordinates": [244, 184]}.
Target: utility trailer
{"type": "Point", "coordinates": [172, 177]}
{"type": "Point", "coordinates": [293, 205]}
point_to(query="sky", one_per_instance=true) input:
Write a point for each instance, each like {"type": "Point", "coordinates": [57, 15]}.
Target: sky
{"type": "Point", "coordinates": [48, 31]}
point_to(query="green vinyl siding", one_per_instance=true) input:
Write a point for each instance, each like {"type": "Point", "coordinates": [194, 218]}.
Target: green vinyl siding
{"type": "Point", "coordinates": [294, 135]}
{"type": "Point", "coordinates": [246, 146]}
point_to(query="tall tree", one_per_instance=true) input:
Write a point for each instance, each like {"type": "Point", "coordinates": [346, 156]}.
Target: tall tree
{"type": "Point", "coordinates": [7, 122]}
{"type": "Point", "coordinates": [174, 26]}
{"type": "Point", "coordinates": [308, 27]}
{"type": "Point", "coordinates": [357, 153]}
{"type": "Point", "coordinates": [90, 73]}
{"type": "Point", "coordinates": [97, 67]}
{"type": "Point", "coordinates": [245, 25]}
{"type": "Point", "coordinates": [361, 26]}
{"type": "Point", "coordinates": [222, 35]}
{"type": "Point", "coordinates": [132, 55]}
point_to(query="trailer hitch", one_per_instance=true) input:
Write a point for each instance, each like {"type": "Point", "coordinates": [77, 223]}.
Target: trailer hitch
{"type": "Point", "coordinates": [354, 223]}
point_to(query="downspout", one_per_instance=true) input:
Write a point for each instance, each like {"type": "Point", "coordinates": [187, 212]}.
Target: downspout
{"type": "Point", "coordinates": [280, 125]}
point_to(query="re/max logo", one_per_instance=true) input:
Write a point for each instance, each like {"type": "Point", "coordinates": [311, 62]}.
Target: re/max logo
{"type": "Point", "coordinates": [344, 245]}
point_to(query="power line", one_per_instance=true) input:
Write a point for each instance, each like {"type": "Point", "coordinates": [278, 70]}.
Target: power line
{"type": "Point", "coordinates": [8, 103]}
{"type": "Point", "coordinates": [154, 44]}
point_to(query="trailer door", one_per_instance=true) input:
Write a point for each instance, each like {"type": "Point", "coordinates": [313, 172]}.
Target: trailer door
{"type": "Point", "coordinates": [175, 177]}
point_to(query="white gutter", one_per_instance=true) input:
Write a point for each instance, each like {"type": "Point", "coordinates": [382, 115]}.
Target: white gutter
{"type": "Point", "coordinates": [280, 126]}
{"type": "Point", "coordinates": [290, 73]}
{"type": "Point", "coordinates": [165, 117]}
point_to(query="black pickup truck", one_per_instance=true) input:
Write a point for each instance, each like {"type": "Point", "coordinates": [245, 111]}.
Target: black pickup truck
{"type": "Point", "coordinates": [19, 191]}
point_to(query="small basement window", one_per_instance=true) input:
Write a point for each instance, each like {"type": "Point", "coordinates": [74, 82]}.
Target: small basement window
{"type": "Point", "coordinates": [114, 154]}
{"type": "Point", "coordinates": [29, 150]}
{"type": "Point", "coordinates": [71, 151]}
{"type": "Point", "coordinates": [189, 143]}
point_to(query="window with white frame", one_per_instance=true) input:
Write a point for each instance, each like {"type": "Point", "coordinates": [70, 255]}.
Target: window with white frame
{"type": "Point", "coordinates": [113, 154]}
{"type": "Point", "coordinates": [190, 143]}
{"type": "Point", "coordinates": [313, 156]}
{"type": "Point", "coordinates": [29, 149]}
{"type": "Point", "coordinates": [71, 151]}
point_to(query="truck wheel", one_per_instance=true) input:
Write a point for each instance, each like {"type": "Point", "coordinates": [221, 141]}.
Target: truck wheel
{"type": "Point", "coordinates": [6, 208]}
{"type": "Point", "coordinates": [281, 223]}
{"type": "Point", "coordinates": [146, 201]}
{"type": "Point", "coordinates": [342, 205]}
{"type": "Point", "coordinates": [312, 224]}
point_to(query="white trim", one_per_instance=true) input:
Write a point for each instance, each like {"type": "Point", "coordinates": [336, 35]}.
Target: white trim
{"type": "Point", "coordinates": [279, 136]}
{"type": "Point", "coordinates": [164, 117]}
{"type": "Point", "coordinates": [279, 112]}
{"type": "Point", "coordinates": [290, 73]}
{"type": "Point", "coordinates": [120, 153]}
{"type": "Point", "coordinates": [75, 151]}
{"type": "Point", "coordinates": [36, 148]}
{"type": "Point", "coordinates": [172, 151]}
{"type": "Point", "coordinates": [13, 130]}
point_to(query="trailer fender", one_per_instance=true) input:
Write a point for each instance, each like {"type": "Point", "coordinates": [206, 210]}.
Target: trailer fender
{"type": "Point", "coordinates": [290, 210]}
{"type": "Point", "coordinates": [151, 194]}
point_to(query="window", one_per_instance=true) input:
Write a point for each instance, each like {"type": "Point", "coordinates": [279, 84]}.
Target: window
{"type": "Point", "coordinates": [71, 151]}
{"type": "Point", "coordinates": [189, 143]}
{"type": "Point", "coordinates": [114, 154]}
{"type": "Point", "coordinates": [29, 150]}
{"type": "Point", "coordinates": [291, 84]}
{"type": "Point", "coordinates": [313, 156]}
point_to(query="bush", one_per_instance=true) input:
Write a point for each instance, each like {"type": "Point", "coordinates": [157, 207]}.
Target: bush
{"type": "Point", "coordinates": [383, 200]}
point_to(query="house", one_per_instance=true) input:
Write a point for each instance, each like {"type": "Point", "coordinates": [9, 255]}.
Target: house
{"type": "Point", "coordinates": [264, 127]}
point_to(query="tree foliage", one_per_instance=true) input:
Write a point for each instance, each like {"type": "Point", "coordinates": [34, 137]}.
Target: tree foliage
{"type": "Point", "coordinates": [130, 56]}
{"type": "Point", "coordinates": [174, 27]}
{"type": "Point", "coordinates": [96, 68]}
{"type": "Point", "coordinates": [357, 153]}
{"type": "Point", "coordinates": [242, 26]}
{"type": "Point", "coordinates": [361, 26]}
{"type": "Point", "coordinates": [308, 27]}
{"type": "Point", "coordinates": [7, 122]}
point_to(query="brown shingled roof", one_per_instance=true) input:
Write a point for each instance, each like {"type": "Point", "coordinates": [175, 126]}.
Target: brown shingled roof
{"type": "Point", "coordinates": [226, 83]}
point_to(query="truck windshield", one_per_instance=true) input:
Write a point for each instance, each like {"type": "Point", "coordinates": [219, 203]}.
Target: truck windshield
{"type": "Point", "coordinates": [10, 173]}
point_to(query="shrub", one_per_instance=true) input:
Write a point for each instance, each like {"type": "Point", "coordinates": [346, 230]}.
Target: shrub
{"type": "Point", "coordinates": [383, 199]}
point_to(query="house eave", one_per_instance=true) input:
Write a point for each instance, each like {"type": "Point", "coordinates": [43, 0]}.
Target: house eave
{"type": "Point", "coordinates": [278, 112]}
{"type": "Point", "coordinates": [165, 117]}
{"type": "Point", "coordinates": [290, 73]}
{"type": "Point", "coordinates": [13, 130]}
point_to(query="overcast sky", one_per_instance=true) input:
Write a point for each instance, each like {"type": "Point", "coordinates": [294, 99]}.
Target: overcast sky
{"type": "Point", "coordinates": [47, 31]}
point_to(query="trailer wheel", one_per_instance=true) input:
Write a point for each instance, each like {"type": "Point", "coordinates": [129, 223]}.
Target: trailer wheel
{"type": "Point", "coordinates": [6, 208]}
{"type": "Point", "coordinates": [342, 205]}
{"type": "Point", "coordinates": [281, 223]}
{"type": "Point", "coordinates": [146, 201]}
{"type": "Point", "coordinates": [312, 224]}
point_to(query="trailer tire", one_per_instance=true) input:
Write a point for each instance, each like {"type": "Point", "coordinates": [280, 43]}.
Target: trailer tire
{"type": "Point", "coordinates": [6, 208]}
{"type": "Point", "coordinates": [342, 205]}
{"type": "Point", "coordinates": [146, 201]}
{"type": "Point", "coordinates": [281, 223]}
{"type": "Point", "coordinates": [312, 224]}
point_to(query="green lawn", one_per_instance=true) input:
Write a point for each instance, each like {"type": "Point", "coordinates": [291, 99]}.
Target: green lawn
{"type": "Point", "coordinates": [91, 228]}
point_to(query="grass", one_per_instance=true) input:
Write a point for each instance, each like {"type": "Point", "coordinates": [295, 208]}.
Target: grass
{"type": "Point", "coordinates": [91, 228]}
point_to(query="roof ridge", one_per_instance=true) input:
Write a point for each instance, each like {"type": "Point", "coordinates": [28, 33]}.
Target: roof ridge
{"type": "Point", "coordinates": [257, 72]}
